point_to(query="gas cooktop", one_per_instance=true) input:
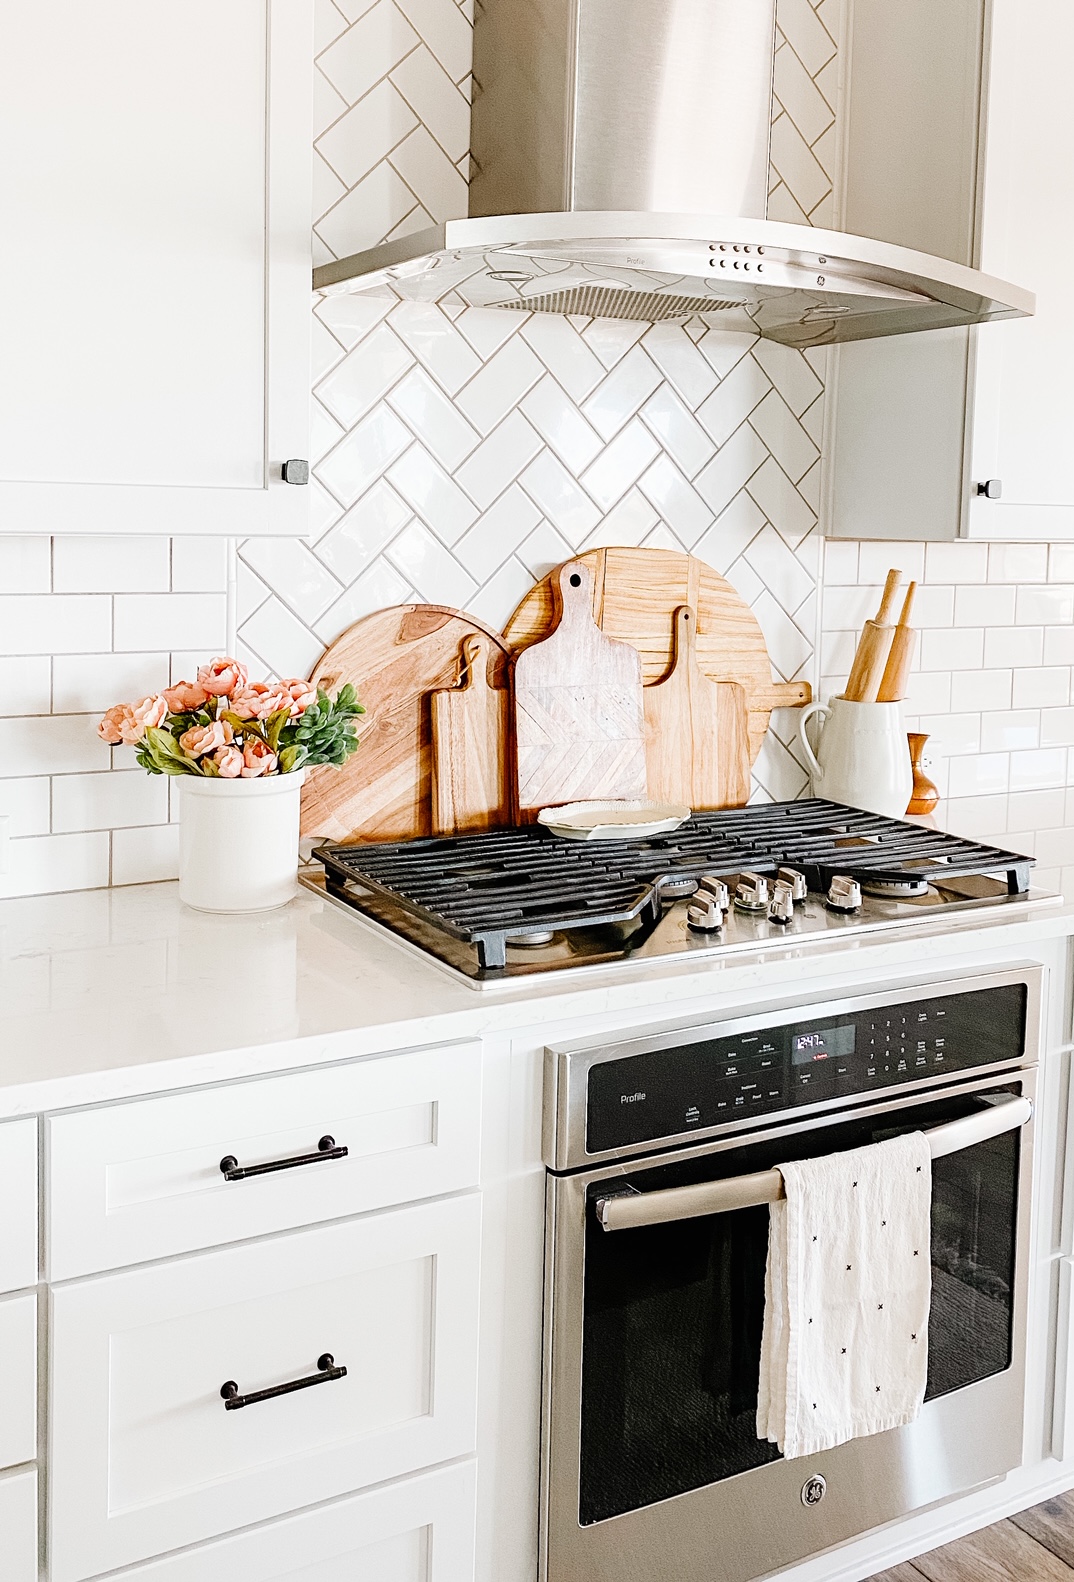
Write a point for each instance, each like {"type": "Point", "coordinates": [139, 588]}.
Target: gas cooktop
{"type": "Point", "coordinates": [506, 904]}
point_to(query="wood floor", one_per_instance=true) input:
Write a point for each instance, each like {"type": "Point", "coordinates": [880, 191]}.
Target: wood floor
{"type": "Point", "coordinates": [1035, 1546]}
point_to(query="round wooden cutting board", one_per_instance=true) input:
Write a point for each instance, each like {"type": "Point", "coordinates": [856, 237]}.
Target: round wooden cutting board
{"type": "Point", "coordinates": [393, 658]}
{"type": "Point", "coordinates": [636, 593]}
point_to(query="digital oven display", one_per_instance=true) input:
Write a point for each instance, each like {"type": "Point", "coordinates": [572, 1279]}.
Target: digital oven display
{"type": "Point", "coordinates": [822, 1044]}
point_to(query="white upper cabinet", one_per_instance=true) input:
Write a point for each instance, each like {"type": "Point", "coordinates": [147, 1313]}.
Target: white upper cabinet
{"type": "Point", "coordinates": [957, 119]}
{"type": "Point", "coordinates": [155, 171]}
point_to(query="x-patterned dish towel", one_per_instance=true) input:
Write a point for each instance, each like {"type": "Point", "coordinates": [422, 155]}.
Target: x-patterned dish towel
{"type": "Point", "coordinates": [844, 1350]}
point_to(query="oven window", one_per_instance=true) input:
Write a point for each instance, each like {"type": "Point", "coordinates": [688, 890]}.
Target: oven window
{"type": "Point", "coordinates": [673, 1313]}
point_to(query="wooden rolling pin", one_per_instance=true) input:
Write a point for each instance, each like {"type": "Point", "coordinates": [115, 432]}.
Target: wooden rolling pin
{"type": "Point", "coordinates": [897, 669]}
{"type": "Point", "coordinates": [874, 646]}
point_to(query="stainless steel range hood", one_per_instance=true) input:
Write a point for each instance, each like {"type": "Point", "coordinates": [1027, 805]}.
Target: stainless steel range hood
{"type": "Point", "coordinates": [620, 158]}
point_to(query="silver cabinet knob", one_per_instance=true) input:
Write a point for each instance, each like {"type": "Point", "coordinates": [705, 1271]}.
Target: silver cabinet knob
{"type": "Point", "coordinates": [296, 472]}
{"type": "Point", "coordinates": [991, 489]}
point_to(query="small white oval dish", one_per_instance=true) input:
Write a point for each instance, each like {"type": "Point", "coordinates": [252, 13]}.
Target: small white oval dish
{"type": "Point", "coordinates": [624, 820]}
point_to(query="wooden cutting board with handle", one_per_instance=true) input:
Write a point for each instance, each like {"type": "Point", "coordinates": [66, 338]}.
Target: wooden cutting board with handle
{"type": "Point", "coordinates": [472, 780]}
{"type": "Point", "coordinates": [394, 658]}
{"type": "Point", "coordinates": [696, 731]}
{"type": "Point", "coordinates": [579, 721]}
{"type": "Point", "coordinates": [635, 595]}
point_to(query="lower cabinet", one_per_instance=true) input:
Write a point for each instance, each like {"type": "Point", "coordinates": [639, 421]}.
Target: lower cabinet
{"type": "Point", "coordinates": [18, 1527]}
{"type": "Point", "coordinates": [18, 1379]}
{"type": "Point", "coordinates": [147, 1455]}
{"type": "Point", "coordinates": [421, 1530]}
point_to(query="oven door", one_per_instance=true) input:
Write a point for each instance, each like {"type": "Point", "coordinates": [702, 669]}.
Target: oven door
{"type": "Point", "coordinates": [652, 1469]}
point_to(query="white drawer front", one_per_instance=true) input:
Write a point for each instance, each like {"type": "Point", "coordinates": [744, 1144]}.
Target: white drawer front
{"type": "Point", "coordinates": [421, 1530]}
{"type": "Point", "coordinates": [18, 1527]}
{"type": "Point", "coordinates": [133, 1182]}
{"type": "Point", "coordinates": [18, 1195]}
{"type": "Point", "coordinates": [18, 1379]}
{"type": "Point", "coordinates": [145, 1457]}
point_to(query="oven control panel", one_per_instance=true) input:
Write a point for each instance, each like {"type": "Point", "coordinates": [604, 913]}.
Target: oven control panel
{"type": "Point", "coordinates": [708, 1082]}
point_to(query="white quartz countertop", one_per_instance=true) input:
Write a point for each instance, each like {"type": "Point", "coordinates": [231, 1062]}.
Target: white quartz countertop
{"type": "Point", "coordinates": [110, 993]}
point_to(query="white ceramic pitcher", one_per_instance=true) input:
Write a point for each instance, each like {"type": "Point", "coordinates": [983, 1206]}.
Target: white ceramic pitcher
{"type": "Point", "coordinates": [862, 756]}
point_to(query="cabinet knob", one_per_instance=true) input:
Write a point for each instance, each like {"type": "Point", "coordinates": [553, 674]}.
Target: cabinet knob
{"type": "Point", "coordinates": [991, 489]}
{"type": "Point", "coordinates": [296, 472]}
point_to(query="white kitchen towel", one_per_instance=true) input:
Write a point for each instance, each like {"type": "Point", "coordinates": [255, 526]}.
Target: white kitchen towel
{"type": "Point", "coordinates": [847, 1289]}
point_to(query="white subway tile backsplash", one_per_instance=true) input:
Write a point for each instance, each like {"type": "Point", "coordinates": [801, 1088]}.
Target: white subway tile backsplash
{"type": "Point", "coordinates": [841, 562]}
{"type": "Point", "coordinates": [51, 745]}
{"type": "Point", "coordinates": [630, 383]}
{"type": "Point", "coordinates": [26, 685]}
{"type": "Point", "coordinates": [1014, 645]}
{"type": "Point", "coordinates": [984, 604]}
{"type": "Point", "coordinates": [145, 856]}
{"type": "Point", "coordinates": [956, 563]}
{"type": "Point", "coordinates": [956, 648]}
{"type": "Point", "coordinates": [299, 575]}
{"type": "Point", "coordinates": [428, 566]}
{"type": "Point", "coordinates": [94, 682]}
{"type": "Point", "coordinates": [108, 801]}
{"type": "Point", "coordinates": [199, 565]}
{"type": "Point", "coordinates": [1043, 686]}
{"type": "Point", "coordinates": [144, 621]}
{"type": "Point", "coordinates": [735, 397]}
{"type": "Point", "coordinates": [1039, 770]}
{"type": "Point", "coordinates": [118, 564]}
{"type": "Point", "coordinates": [47, 864]}
{"type": "Point", "coordinates": [360, 536]}
{"type": "Point", "coordinates": [1018, 563]}
{"type": "Point", "coordinates": [436, 498]}
{"type": "Point", "coordinates": [501, 384]}
{"type": "Point", "coordinates": [983, 774]}
{"type": "Point", "coordinates": [877, 558]}
{"type": "Point", "coordinates": [498, 533]}
{"type": "Point", "coordinates": [1004, 731]}
{"type": "Point", "coordinates": [27, 803]}
{"type": "Point", "coordinates": [51, 623]}
{"type": "Point", "coordinates": [1036, 810]}
{"type": "Point", "coordinates": [1052, 605]}
{"type": "Point", "coordinates": [561, 349]}
{"type": "Point", "coordinates": [1057, 727]}
{"type": "Point", "coordinates": [25, 563]}
{"type": "Point", "coordinates": [984, 689]}
{"type": "Point", "coordinates": [442, 429]}
{"type": "Point", "coordinates": [560, 497]}
{"type": "Point", "coordinates": [498, 460]}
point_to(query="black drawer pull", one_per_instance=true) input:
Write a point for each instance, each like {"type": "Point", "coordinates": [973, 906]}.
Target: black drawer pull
{"type": "Point", "coordinates": [327, 1148]}
{"type": "Point", "coordinates": [234, 1402]}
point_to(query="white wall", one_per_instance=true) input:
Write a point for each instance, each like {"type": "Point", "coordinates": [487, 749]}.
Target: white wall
{"type": "Point", "coordinates": [461, 453]}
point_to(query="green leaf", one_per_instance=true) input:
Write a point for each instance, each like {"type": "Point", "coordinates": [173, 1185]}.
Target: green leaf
{"type": "Point", "coordinates": [292, 758]}
{"type": "Point", "coordinates": [275, 724]}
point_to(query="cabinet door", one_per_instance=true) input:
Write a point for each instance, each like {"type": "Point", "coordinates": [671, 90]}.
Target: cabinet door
{"type": "Point", "coordinates": [145, 1454]}
{"type": "Point", "coordinates": [1025, 396]}
{"type": "Point", "coordinates": [155, 172]}
{"type": "Point", "coordinates": [18, 1379]}
{"type": "Point", "coordinates": [18, 1195]}
{"type": "Point", "coordinates": [420, 1530]}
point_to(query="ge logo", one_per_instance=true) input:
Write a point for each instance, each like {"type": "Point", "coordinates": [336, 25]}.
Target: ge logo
{"type": "Point", "coordinates": [814, 1490]}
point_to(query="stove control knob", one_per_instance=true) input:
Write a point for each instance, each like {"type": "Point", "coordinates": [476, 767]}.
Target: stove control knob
{"type": "Point", "coordinates": [715, 890]}
{"type": "Point", "coordinates": [781, 909]}
{"type": "Point", "coordinates": [705, 915]}
{"type": "Point", "coordinates": [752, 893]}
{"type": "Point", "coordinates": [797, 883]}
{"type": "Point", "coordinates": [845, 894]}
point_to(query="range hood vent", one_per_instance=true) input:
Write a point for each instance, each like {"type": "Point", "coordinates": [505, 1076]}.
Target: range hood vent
{"type": "Point", "coordinates": [620, 170]}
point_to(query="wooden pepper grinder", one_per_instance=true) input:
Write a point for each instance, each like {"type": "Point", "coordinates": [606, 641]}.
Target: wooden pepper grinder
{"type": "Point", "coordinates": [925, 795]}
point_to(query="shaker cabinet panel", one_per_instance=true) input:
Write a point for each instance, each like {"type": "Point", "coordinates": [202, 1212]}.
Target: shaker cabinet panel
{"type": "Point", "coordinates": [18, 1197]}
{"type": "Point", "coordinates": [18, 1526]}
{"type": "Point", "coordinates": [147, 1456]}
{"type": "Point", "coordinates": [419, 1530]}
{"type": "Point", "coordinates": [130, 1182]}
{"type": "Point", "coordinates": [974, 93]}
{"type": "Point", "coordinates": [18, 1379]}
{"type": "Point", "coordinates": [155, 274]}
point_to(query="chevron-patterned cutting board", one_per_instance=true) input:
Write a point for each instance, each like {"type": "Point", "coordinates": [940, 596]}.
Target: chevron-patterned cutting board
{"type": "Point", "coordinates": [579, 716]}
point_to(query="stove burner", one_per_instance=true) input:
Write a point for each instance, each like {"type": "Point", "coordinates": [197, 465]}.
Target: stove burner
{"type": "Point", "coordinates": [466, 898]}
{"type": "Point", "coordinates": [895, 889]}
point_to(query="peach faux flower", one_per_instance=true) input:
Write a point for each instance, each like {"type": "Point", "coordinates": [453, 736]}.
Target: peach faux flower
{"type": "Point", "coordinates": [222, 677]}
{"type": "Point", "coordinates": [184, 697]}
{"type": "Point", "coordinates": [258, 700]}
{"type": "Point", "coordinates": [202, 739]}
{"type": "Point", "coordinates": [128, 722]}
{"type": "Point", "coordinates": [257, 759]}
{"type": "Point", "coordinates": [228, 761]}
{"type": "Point", "coordinates": [301, 694]}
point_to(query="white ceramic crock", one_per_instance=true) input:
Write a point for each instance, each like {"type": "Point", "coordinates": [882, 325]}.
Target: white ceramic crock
{"type": "Point", "coordinates": [238, 842]}
{"type": "Point", "coordinates": [862, 756]}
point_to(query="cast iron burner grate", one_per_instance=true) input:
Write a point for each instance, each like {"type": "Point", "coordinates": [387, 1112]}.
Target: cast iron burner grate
{"type": "Point", "coordinates": [489, 889]}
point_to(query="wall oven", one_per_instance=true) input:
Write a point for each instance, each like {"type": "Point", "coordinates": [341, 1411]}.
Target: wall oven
{"type": "Point", "coordinates": [658, 1149]}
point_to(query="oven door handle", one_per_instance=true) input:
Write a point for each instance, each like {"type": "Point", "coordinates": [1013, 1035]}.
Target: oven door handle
{"type": "Point", "coordinates": [628, 1210]}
